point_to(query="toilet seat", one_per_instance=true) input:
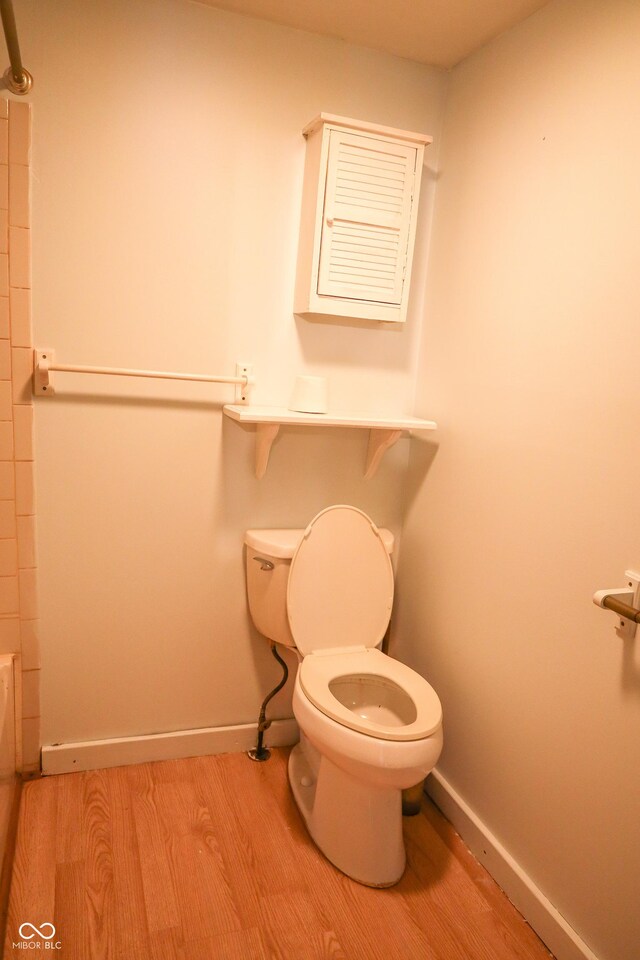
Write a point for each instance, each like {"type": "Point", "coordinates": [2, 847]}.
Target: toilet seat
{"type": "Point", "coordinates": [339, 600]}
{"type": "Point", "coordinates": [319, 671]}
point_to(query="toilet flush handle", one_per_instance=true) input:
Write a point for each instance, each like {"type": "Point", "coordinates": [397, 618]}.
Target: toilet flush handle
{"type": "Point", "coordinates": [264, 563]}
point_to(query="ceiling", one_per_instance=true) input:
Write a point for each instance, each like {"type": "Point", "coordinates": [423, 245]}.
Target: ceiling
{"type": "Point", "coordinates": [438, 32]}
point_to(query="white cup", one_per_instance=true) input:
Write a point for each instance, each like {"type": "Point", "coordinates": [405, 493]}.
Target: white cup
{"type": "Point", "coordinates": [310, 395]}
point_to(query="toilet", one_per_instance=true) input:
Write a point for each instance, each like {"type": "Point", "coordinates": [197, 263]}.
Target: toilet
{"type": "Point", "coordinates": [369, 725]}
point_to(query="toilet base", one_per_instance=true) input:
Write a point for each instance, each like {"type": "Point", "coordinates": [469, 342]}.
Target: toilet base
{"type": "Point", "coordinates": [357, 826]}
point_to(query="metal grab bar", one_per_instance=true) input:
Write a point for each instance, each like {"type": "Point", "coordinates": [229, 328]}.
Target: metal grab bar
{"type": "Point", "coordinates": [16, 77]}
{"type": "Point", "coordinates": [622, 609]}
{"type": "Point", "coordinates": [44, 364]}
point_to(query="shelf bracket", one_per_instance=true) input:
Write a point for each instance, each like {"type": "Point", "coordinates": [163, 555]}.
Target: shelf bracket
{"type": "Point", "coordinates": [265, 435]}
{"type": "Point", "coordinates": [379, 442]}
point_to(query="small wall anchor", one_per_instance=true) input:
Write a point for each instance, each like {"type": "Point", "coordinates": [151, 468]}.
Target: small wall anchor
{"type": "Point", "coordinates": [625, 603]}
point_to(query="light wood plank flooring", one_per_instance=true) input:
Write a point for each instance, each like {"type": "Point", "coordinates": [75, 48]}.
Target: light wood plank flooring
{"type": "Point", "coordinates": [208, 859]}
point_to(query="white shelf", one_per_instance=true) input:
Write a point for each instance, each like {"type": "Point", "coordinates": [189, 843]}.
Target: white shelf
{"type": "Point", "coordinates": [383, 431]}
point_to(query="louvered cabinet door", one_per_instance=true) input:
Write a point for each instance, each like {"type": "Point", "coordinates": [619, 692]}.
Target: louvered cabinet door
{"type": "Point", "coordinates": [367, 216]}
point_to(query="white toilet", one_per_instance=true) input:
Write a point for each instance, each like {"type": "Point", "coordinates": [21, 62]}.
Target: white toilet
{"type": "Point", "coordinates": [369, 725]}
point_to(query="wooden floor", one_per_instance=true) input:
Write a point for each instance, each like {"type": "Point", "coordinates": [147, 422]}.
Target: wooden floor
{"type": "Point", "coordinates": [207, 859]}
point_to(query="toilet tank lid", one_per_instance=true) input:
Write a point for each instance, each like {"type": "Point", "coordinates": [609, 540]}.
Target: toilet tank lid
{"type": "Point", "coordinates": [282, 543]}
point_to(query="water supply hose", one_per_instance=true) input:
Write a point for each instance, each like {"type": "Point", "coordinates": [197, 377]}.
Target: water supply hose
{"type": "Point", "coordinates": [260, 752]}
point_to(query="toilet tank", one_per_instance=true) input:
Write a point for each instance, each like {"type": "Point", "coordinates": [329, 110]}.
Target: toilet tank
{"type": "Point", "coordinates": [268, 559]}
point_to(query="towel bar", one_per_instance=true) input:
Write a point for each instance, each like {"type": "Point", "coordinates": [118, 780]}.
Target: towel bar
{"type": "Point", "coordinates": [44, 364]}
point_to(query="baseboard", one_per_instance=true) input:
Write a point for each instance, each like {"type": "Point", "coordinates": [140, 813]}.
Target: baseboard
{"type": "Point", "coordinates": [538, 911]}
{"type": "Point", "coordinates": [120, 751]}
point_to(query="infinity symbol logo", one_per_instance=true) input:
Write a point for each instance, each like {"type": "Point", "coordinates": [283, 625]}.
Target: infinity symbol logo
{"type": "Point", "coordinates": [39, 931]}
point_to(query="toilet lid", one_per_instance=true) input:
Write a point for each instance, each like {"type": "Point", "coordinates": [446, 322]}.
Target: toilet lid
{"type": "Point", "coordinates": [340, 588]}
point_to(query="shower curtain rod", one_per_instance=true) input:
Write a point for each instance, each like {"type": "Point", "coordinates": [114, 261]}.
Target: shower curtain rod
{"type": "Point", "coordinates": [17, 79]}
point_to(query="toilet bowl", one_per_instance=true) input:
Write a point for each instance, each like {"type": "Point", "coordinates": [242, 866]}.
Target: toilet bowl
{"type": "Point", "coordinates": [369, 725]}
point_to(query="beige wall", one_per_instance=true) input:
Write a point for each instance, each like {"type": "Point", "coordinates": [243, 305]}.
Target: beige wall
{"type": "Point", "coordinates": [167, 162]}
{"type": "Point", "coordinates": [530, 501]}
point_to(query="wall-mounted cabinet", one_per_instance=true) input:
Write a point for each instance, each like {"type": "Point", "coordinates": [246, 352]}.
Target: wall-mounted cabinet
{"type": "Point", "coordinates": [358, 223]}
